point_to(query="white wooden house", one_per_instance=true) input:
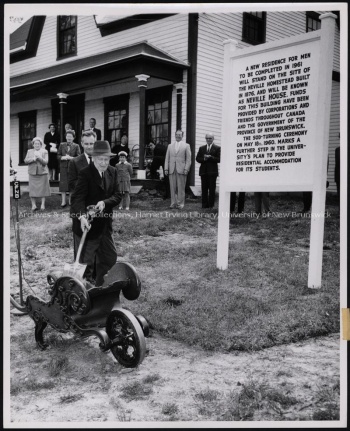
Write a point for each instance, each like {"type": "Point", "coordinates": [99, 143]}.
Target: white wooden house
{"type": "Point", "coordinates": [143, 75]}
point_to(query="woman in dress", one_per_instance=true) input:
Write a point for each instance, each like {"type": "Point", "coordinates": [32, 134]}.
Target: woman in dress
{"type": "Point", "coordinates": [66, 151]}
{"type": "Point", "coordinates": [37, 160]}
{"type": "Point", "coordinates": [124, 170]}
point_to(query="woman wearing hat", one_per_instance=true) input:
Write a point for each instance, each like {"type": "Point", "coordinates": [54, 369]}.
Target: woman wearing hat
{"type": "Point", "coordinates": [97, 186]}
{"type": "Point", "coordinates": [124, 170]}
{"type": "Point", "coordinates": [37, 159]}
{"type": "Point", "coordinates": [66, 151]}
{"type": "Point", "coordinates": [52, 142]}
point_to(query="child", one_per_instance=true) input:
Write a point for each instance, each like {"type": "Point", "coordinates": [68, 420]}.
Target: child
{"type": "Point", "coordinates": [124, 170]}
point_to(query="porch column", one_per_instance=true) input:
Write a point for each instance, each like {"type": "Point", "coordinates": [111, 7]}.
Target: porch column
{"type": "Point", "coordinates": [142, 86]}
{"type": "Point", "coordinates": [179, 88]}
{"type": "Point", "coordinates": [62, 102]}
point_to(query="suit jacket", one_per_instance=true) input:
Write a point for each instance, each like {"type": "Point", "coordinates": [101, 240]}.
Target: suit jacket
{"type": "Point", "coordinates": [337, 165]}
{"type": "Point", "coordinates": [74, 167]}
{"type": "Point", "coordinates": [97, 131]}
{"type": "Point", "coordinates": [181, 160]}
{"type": "Point", "coordinates": [89, 190]}
{"type": "Point", "coordinates": [38, 166]}
{"type": "Point", "coordinates": [55, 138]}
{"type": "Point", "coordinates": [73, 150]}
{"type": "Point", "coordinates": [209, 166]}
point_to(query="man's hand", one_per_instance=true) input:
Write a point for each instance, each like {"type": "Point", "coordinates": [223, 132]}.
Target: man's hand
{"type": "Point", "coordinates": [100, 206]}
{"type": "Point", "coordinates": [84, 224]}
{"type": "Point", "coordinates": [185, 172]}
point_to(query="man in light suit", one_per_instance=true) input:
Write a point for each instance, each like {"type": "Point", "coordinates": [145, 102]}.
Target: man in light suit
{"type": "Point", "coordinates": [97, 185]}
{"type": "Point", "coordinates": [177, 165]}
{"type": "Point", "coordinates": [76, 164]}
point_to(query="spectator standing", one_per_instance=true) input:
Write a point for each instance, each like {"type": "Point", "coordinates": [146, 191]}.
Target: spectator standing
{"type": "Point", "coordinates": [66, 152]}
{"type": "Point", "coordinates": [123, 146]}
{"type": "Point", "coordinates": [159, 153]}
{"type": "Point", "coordinates": [124, 173]}
{"type": "Point", "coordinates": [241, 199]}
{"type": "Point", "coordinates": [92, 123]}
{"type": "Point", "coordinates": [337, 170]}
{"type": "Point", "coordinates": [37, 160]}
{"type": "Point", "coordinates": [177, 165]}
{"type": "Point", "coordinates": [262, 200]}
{"type": "Point", "coordinates": [96, 185]}
{"type": "Point", "coordinates": [52, 142]}
{"type": "Point", "coordinates": [208, 156]}
{"type": "Point", "coordinates": [78, 163]}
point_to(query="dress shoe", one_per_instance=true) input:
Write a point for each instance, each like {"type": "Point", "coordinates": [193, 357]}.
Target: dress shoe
{"type": "Point", "coordinates": [63, 205]}
{"type": "Point", "coordinates": [34, 208]}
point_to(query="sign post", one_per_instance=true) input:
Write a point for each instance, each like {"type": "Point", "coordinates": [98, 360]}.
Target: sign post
{"type": "Point", "coordinates": [276, 112]}
{"type": "Point", "coordinates": [16, 190]}
{"type": "Point", "coordinates": [320, 175]}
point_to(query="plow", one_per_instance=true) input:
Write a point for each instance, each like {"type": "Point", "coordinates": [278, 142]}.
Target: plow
{"type": "Point", "coordinates": [76, 305]}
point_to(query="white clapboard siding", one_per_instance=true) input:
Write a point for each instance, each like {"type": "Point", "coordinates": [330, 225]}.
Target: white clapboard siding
{"type": "Point", "coordinates": [213, 30]}
{"type": "Point", "coordinates": [169, 34]}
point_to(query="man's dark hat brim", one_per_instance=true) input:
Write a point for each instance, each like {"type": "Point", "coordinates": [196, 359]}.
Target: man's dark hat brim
{"type": "Point", "coordinates": [102, 148]}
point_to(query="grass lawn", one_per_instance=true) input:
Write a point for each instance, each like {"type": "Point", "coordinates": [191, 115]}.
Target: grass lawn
{"type": "Point", "coordinates": [261, 300]}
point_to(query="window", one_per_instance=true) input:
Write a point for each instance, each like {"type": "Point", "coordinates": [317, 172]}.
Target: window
{"type": "Point", "coordinates": [67, 35]}
{"type": "Point", "coordinates": [117, 118]}
{"type": "Point", "coordinates": [313, 21]}
{"type": "Point", "coordinates": [158, 116]}
{"type": "Point", "coordinates": [27, 131]}
{"type": "Point", "coordinates": [254, 27]}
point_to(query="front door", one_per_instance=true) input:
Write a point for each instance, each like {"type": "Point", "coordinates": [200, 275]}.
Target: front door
{"type": "Point", "coordinates": [73, 114]}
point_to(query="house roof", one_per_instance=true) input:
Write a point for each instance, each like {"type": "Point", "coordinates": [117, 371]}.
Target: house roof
{"type": "Point", "coordinates": [18, 39]}
{"type": "Point", "coordinates": [25, 40]}
{"type": "Point", "coordinates": [142, 50]}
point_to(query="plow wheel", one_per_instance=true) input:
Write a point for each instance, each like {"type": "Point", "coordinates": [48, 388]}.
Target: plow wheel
{"type": "Point", "coordinates": [126, 335]}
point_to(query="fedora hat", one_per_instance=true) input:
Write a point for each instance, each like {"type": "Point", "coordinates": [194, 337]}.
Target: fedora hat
{"type": "Point", "coordinates": [102, 148]}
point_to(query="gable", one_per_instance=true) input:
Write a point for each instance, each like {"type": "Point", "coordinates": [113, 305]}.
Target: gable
{"type": "Point", "coordinates": [24, 41]}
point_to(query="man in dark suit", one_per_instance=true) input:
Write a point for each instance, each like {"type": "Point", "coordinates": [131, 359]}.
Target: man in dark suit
{"type": "Point", "coordinates": [96, 185]}
{"type": "Point", "coordinates": [76, 164]}
{"type": "Point", "coordinates": [208, 156]}
{"type": "Point", "coordinates": [93, 128]}
{"type": "Point", "coordinates": [337, 170]}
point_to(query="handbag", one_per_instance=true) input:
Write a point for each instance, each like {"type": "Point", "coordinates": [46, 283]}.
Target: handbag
{"type": "Point", "coordinates": [53, 148]}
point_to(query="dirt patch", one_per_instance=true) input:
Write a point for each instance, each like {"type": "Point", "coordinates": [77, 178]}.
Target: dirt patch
{"type": "Point", "coordinates": [93, 386]}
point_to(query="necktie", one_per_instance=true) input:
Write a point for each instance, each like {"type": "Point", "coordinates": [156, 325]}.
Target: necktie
{"type": "Point", "coordinates": [103, 180]}
{"type": "Point", "coordinates": [90, 159]}
{"type": "Point", "coordinates": [208, 149]}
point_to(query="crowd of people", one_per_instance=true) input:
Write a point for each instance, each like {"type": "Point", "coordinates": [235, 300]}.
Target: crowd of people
{"type": "Point", "coordinates": [100, 177]}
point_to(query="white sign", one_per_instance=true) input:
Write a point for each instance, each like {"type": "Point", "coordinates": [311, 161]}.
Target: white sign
{"type": "Point", "coordinates": [274, 101]}
{"type": "Point", "coordinates": [275, 127]}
